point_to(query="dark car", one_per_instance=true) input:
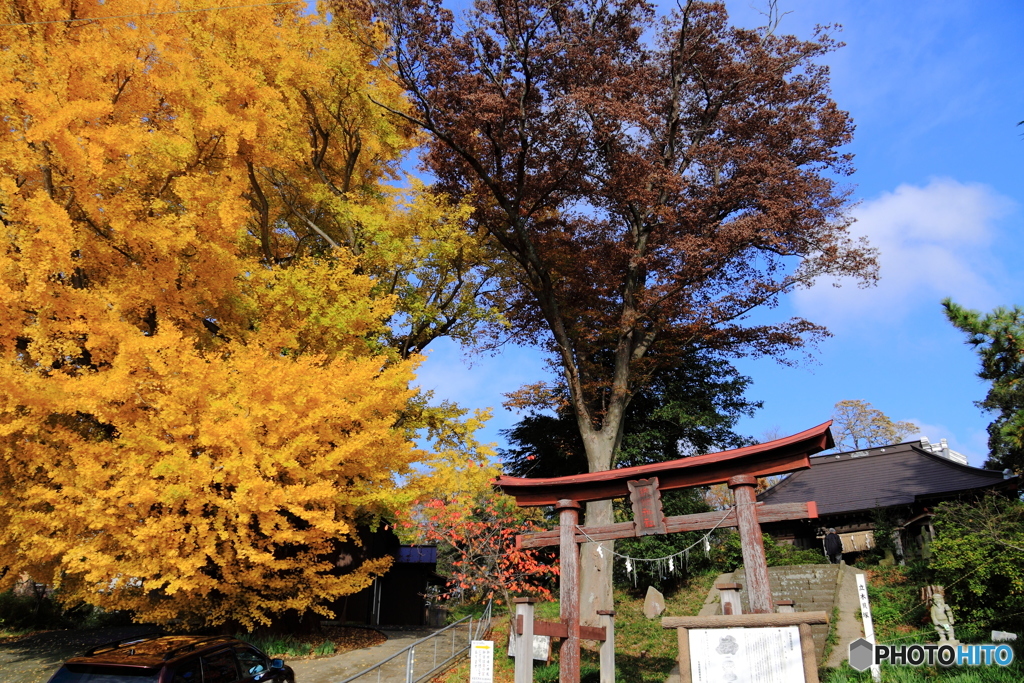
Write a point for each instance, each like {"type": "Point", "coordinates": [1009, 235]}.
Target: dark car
{"type": "Point", "coordinates": [174, 659]}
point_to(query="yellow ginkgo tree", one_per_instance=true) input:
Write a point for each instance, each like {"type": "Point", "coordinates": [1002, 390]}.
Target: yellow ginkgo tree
{"type": "Point", "coordinates": [202, 389]}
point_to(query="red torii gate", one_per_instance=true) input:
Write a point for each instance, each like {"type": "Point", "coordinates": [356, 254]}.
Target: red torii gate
{"type": "Point", "coordinates": [738, 468]}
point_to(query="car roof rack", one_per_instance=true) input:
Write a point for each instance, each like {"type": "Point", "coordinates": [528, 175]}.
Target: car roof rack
{"type": "Point", "coordinates": [106, 647]}
{"type": "Point", "coordinates": [190, 647]}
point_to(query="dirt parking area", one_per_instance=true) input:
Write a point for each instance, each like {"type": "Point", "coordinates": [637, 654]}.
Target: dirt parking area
{"type": "Point", "coordinates": [34, 658]}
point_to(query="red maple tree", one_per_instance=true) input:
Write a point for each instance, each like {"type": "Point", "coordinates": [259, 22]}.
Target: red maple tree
{"type": "Point", "coordinates": [477, 540]}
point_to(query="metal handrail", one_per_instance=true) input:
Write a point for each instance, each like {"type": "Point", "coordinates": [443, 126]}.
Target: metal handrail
{"type": "Point", "coordinates": [482, 626]}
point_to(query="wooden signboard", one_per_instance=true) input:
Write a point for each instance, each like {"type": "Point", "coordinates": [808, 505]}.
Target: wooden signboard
{"type": "Point", "coordinates": [648, 518]}
{"type": "Point", "coordinates": [747, 648]}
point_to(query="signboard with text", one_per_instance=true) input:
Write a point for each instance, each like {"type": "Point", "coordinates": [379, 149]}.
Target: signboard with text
{"type": "Point", "coordinates": [481, 661]}
{"type": "Point", "coordinates": [746, 655]}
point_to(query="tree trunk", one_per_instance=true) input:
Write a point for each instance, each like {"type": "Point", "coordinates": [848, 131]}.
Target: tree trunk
{"type": "Point", "coordinates": [596, 567]}
{"type": "Point", "coordinates": [596, 558]}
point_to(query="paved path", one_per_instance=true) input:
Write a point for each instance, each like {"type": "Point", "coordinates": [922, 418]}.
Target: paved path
{"type": "Point", "coordinates": [34, 659]}
{"type": "Point", "coordinates": [849, 627]}
{"type": "Point", "coordinates": [339, 667]}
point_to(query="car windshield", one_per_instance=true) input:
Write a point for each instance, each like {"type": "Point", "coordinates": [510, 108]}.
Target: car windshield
{"type": "Point", "coordinates": [90, 673]}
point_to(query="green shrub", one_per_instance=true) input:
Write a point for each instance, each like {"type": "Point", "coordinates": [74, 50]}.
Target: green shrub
{"type": "Point", "coordinates": [286, 646]}
{"type": "Point", "coordinates": [548, 673]}
{"type": "Point", "coordinates": [782, 554]}
{"type": "Point", "coordinates": [16, 612]}
{"type": "Point", "coordinates": [727, 555]}
{"type": "Point", "coordinates": [979, 558]}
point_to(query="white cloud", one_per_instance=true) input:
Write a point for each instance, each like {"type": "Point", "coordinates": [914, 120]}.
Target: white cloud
{"type": "Point", "coordinates": [934, 241]}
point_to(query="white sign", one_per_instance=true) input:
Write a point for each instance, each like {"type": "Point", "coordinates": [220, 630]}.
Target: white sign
{"type": "Point", "coordinates": [746, 655]}
{"type": "Point", "coordinates": [869, 626]}
{"type": "Point", "coordinates": [481, 661]}
{"type": "Point", "coordinates": [541, 646]}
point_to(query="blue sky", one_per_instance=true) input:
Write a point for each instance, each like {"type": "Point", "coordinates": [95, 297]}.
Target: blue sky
{"type": "Point", "coordinates": [936, 90]}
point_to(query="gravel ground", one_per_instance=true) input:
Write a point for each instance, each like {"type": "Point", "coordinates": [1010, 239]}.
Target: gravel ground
{"type": "Point", "coordinates": [34, 658]}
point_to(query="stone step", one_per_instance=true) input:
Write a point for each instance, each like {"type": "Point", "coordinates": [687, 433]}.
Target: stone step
{"type": "Point", "coordinates": [811, 588]}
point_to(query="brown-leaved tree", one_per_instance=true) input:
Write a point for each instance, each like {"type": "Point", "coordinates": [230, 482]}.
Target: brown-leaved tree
{"type": "Point", "coordinates": [648, 181]}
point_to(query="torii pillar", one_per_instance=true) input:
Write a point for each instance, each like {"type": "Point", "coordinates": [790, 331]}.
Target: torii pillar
{"type": "Point", "coordinates": [752, 543]}
{"type": "Point", "coordinates": [569, 600]}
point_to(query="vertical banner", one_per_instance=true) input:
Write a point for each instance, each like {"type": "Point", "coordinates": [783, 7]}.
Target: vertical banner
{"type": "Point", "coordinates": [869, 626]}
{"type": "Point", "coordinates": [481, 661]}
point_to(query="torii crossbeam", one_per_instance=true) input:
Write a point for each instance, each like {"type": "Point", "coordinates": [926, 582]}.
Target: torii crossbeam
{"type": "Point", "coordinates": [738, 468]}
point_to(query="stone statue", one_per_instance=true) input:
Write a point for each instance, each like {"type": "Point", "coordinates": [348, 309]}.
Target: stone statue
{"type": "Point", "coordinates": [942, 618]}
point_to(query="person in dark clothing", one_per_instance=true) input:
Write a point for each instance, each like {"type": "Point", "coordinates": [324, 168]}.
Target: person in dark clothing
{"type": "Point", "coordinates": [833, 547]}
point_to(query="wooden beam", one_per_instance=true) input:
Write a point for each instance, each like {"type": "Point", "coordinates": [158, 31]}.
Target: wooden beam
{"type": "Point", "coordinates": [807, 649]}
{"type": "Point", "coordinates": [679, 523]}
{"type": "Point", "coordinates": [685, 674]}
{"type": "Point", "coordinates": [775, 457]}
{"type": "Point", "coordinates": [524, 643]}
{"type": "Point", "coordinates": [607, 652]}
{"type": "Point", "coordinates": [746, 620]}
{"type": "Point", "coordinates": [557, 629]}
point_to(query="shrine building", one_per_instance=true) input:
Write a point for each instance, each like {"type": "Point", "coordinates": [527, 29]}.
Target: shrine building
{"type": "Point", "coordinates": [906, 481]}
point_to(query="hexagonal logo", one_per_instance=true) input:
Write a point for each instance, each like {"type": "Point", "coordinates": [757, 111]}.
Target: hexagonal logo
{"type": "Point", "coordinates": [862, 654]}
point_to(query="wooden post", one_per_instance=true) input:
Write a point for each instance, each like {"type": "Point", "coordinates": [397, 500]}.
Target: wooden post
{"type": "Point", "coordinates": [524, 641]}
{"type": "Point", "coordinates": [729, 594]}
{"type": "Point", "coordinates": [607, 646]}
{"type": "Point", "coordinates": [569, 590]}
{"type": "Point", "coordinates": [684, 655]}
{"type": "Point", "coordinates": [807, 648]}
{"type": "Point", "coordinates": [754, 563]}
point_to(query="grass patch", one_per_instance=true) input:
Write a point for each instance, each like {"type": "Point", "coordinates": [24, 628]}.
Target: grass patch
{"type": "Point", "coordinates": [901, 618]}
{"type": "Point", "coordinates": [7, 633]}
{"type": "Point", "coordinates": [897, 611]}
{"type": "Point", "coordinates": [282, 646]}
{"type": "Point", "coordinates": [833, 635]}
{"type": "Point", "coordinates": [330, 640]}
{"type": "Point", "coordinates": [920, 674]}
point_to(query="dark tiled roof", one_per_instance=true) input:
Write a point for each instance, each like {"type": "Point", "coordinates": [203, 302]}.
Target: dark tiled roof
{"type": "Point", "coordinates": [878, 477]}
